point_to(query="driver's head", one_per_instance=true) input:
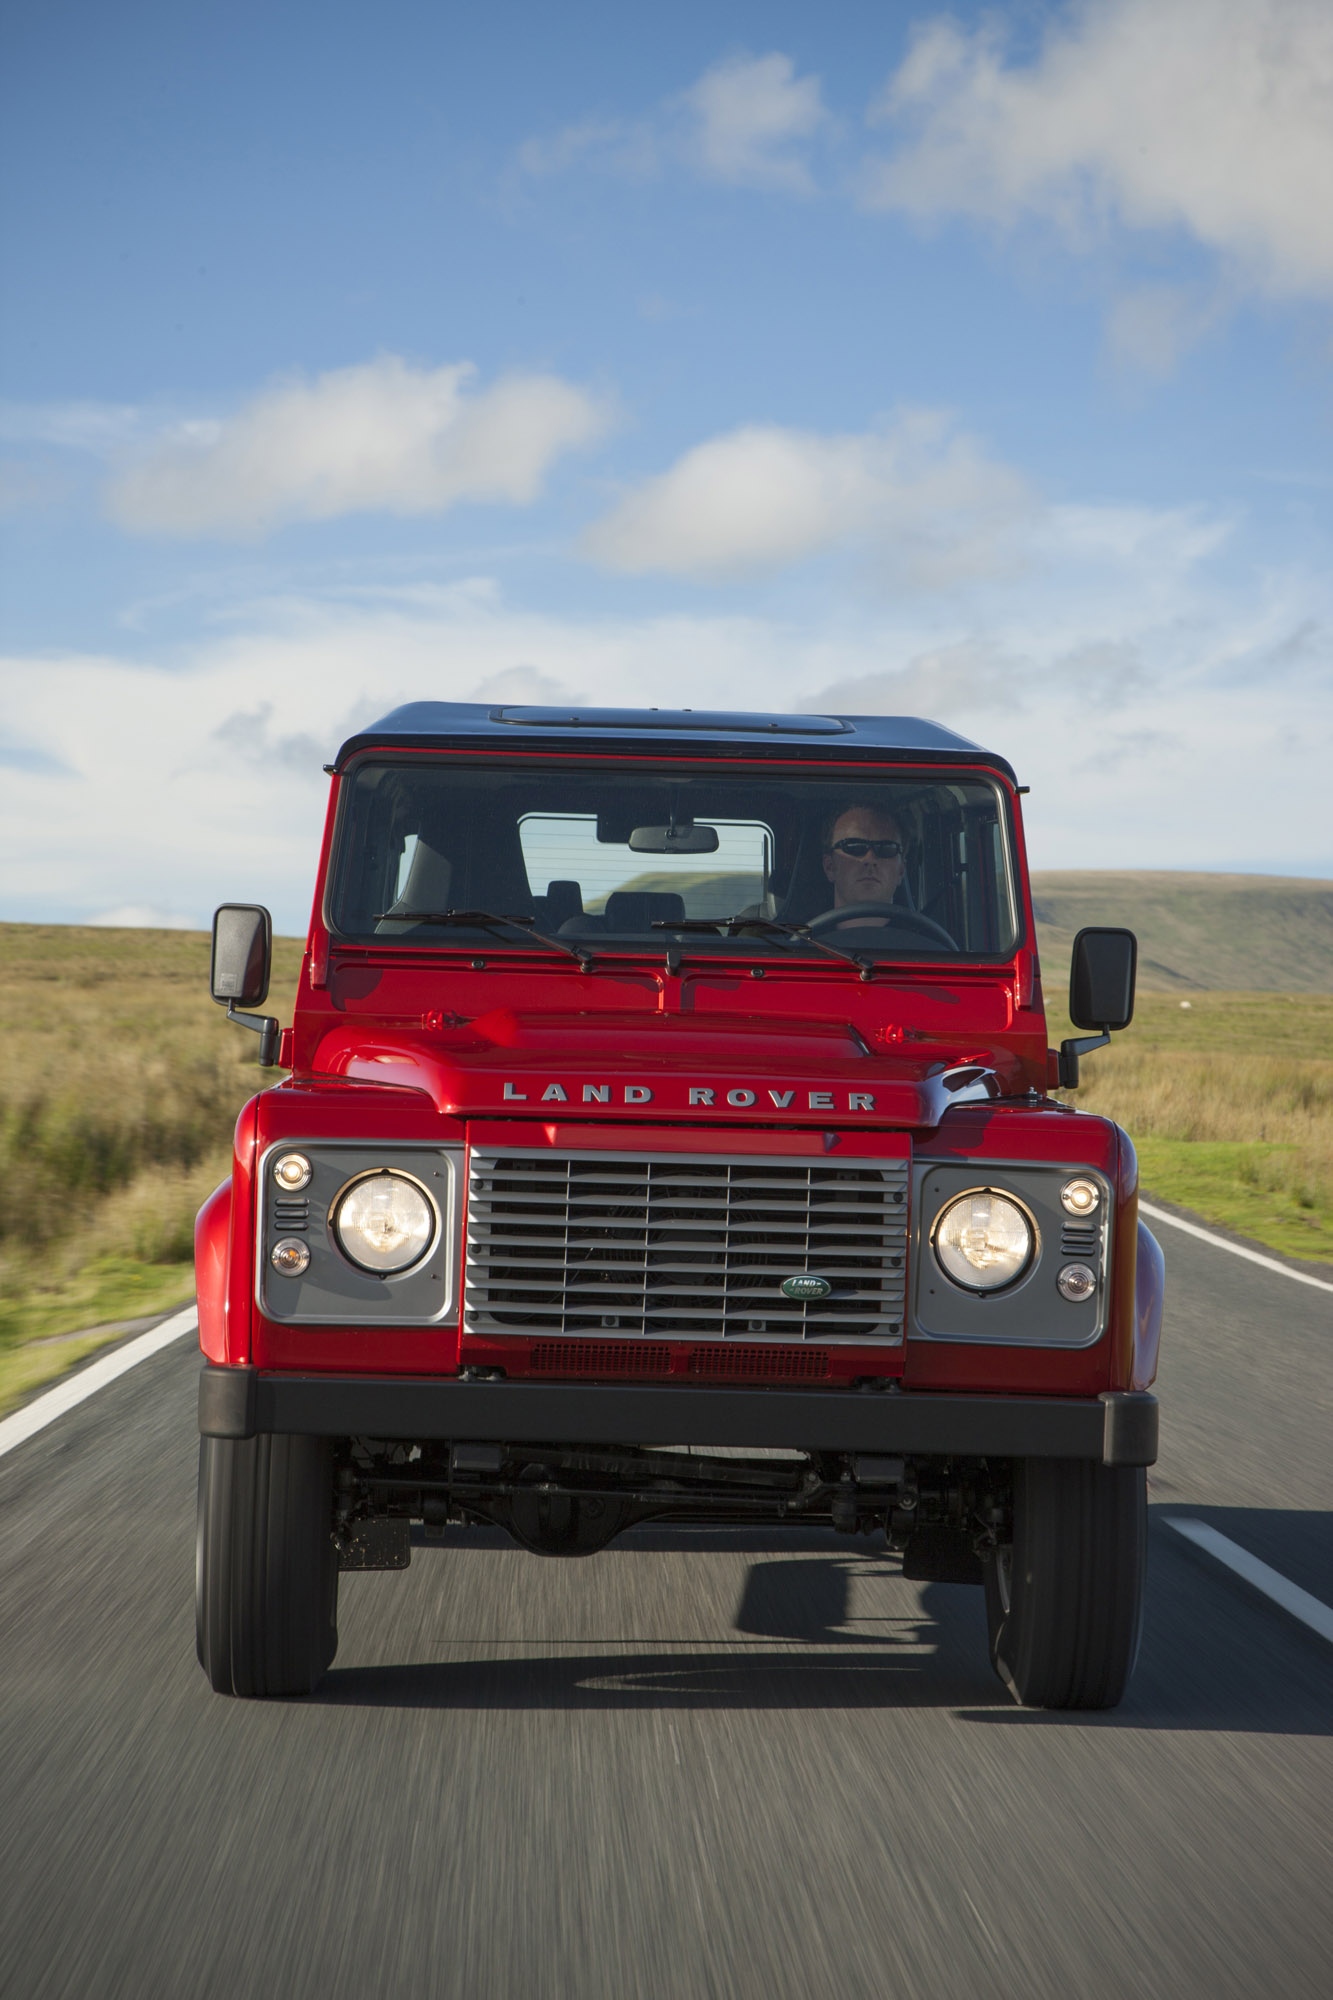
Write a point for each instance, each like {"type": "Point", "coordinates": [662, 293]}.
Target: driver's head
{"type": "Point", "coordinates": [858, 872]}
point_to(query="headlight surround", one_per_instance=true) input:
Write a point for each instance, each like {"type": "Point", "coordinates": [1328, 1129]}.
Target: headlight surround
{"type": "Point", "coordinates": [984, 1240]}
{"type": "Point", "coordinates": [384, 1222]}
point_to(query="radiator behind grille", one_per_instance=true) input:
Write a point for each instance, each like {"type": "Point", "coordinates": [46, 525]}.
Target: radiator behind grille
{"type": "Point", "coordinates": [683, 1247]}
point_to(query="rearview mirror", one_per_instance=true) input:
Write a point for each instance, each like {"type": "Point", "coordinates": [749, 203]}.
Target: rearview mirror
{"type": "Point", "coordinates": [242, 955]}
{"type": "Point", "coordinates": [684, 838]}
{"type": "Point", "coordinates": [1101, 978]}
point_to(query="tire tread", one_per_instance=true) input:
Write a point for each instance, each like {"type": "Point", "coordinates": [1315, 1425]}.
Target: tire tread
{"type": "Point", "coordinates": [266, 1565]}
{"type": "Point", "coordinates": [1069, 1635]}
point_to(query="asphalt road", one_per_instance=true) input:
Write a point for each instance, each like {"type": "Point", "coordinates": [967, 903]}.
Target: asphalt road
{"type": "Point", "coordinates": [682, 1767]}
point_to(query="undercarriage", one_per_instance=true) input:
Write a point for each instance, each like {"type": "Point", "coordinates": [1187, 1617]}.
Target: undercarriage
{"type": "Point", "coordinates": [944, 1515]}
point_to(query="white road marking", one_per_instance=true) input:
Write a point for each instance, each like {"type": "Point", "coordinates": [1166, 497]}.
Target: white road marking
{"type": "Point", "coordinates": [76, 1389]}
{"type": "Point", "coordinates": [1236, 1249]}
{"type": "Point", "coordinates": [1310, 1610]}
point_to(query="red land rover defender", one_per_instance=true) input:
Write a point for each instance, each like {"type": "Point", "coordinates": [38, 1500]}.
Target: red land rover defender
{"type": "Point", "coordinates": [669, 1138]}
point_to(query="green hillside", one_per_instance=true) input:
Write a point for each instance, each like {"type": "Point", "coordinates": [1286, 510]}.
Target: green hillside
{"type": "Point", "coordinates": [1227, 933]}
{"type": "Point", "coordinates": [1255, 933]}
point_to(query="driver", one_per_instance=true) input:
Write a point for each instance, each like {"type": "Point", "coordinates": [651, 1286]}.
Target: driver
{"type": "Point", "coordinates": [863, 856]}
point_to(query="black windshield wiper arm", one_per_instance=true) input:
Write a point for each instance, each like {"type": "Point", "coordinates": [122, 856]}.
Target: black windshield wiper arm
{"type": "Point", "coordinates": [734, 926]}
{"type": "Point", "coordinates": [483, 920]}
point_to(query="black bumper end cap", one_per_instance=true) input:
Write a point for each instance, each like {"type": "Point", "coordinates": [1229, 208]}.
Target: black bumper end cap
{"type": "Point", "coordinates": [228, 1402]}
{"type": "Point", "coordinates": [1129, 1436]}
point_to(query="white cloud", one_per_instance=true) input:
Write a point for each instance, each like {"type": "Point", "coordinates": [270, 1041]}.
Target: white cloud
{"type": "Point", "coordinates": [1151, 326]}
{"type": "Point", "coordinates": [751, 113]}
{"type": "Point", "coordinates": [925, 495]}
{"type": "Point", "coordinates": [102, 429]}
{"type": "Point", "coordinates": [979, 677]}
{"type": "Point", "coordinates": [1159, 725]}
{"type": "Point", "coordinates": [1211, 116]}
{"type": "Point", "coordinates": [627, 147]}
{"type": "Point", "coordinates": [747, 122]}
{"type": "Point", "coordinates": [523, 686]}
{"type": "Point", "coordinates": [382, 436]}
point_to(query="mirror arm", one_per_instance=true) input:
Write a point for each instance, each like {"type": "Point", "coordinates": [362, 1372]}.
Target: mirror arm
{"type": "Point", "coordinates": [265, 1026]}
{"type": "Point", "coordinates": [1070, 1051]}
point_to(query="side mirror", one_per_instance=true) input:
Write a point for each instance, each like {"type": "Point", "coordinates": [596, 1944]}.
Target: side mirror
{"type": "Point", "coordinates": [1101, 978]}
{"type": "Point", "coordinates": [242, 955]}
{"type": "Point", "coordinates": [1101, 993]}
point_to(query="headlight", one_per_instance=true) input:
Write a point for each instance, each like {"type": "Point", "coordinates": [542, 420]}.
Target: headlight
{"type": "Point", "coordinates": [384, 1222]}
{"type": "Point", "coordinates": [292, 1172]}
{"type": "Point", "coordinates": [983, 1240]}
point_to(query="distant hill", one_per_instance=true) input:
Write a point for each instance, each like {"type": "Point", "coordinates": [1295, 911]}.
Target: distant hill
{"type": "Point", "coordinates": [1233, 932]}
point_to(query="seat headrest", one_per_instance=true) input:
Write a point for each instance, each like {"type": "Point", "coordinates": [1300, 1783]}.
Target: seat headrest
{"type": "Point", "coordinates": [563, 901]}
{"type": "Point", "coordinates": [638, 909]}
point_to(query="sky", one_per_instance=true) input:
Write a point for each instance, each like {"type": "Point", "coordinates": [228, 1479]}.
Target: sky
{"type": "Point", "coordinates": [876, 358]}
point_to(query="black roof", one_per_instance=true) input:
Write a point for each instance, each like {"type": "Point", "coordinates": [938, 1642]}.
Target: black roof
{"type": "Point", "coordinates": [441, 725]}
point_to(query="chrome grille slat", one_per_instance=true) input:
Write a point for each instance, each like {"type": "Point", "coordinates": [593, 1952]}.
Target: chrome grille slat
{"type": "Point", "coordinates": [487, 1231]}
{"type": "Point", "coordinates": [698, 1246]}
{"type": "Point", "coordinates": [668, 1202]}
{"type": "Point", "coordinates": [595, 1287]}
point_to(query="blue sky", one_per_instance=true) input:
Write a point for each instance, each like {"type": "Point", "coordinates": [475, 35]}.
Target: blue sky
{"type": "Point", "coordinates": [974, 364]}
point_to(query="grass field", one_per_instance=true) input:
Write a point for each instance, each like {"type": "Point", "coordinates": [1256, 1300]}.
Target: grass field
{"type": "Point", "coordinates": [120, 1082]}
{"type": "Point", "coordinates": [1229, 1100]}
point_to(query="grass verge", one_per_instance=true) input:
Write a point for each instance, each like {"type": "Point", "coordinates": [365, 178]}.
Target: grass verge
{"type": "Point", "coordinates": [120, 1082]}
{"type": "Point", "coordinates": [1256, 1190]}
{"type": "Point", "coordinates": [1229, 1101]}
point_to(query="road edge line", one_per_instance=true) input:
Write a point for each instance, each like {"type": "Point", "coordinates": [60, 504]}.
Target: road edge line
{"type": "Point", "coordinates": [1311, 1611]}
{"type": "Point", "coordinates": [1237, 1249]}
{"type": "Point", "coordinates": [75, 1389]}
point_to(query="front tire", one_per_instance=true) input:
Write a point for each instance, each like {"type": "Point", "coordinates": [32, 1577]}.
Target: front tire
{"type": "Point", "coordinates": [266, 1568]}
{"type": "Point", "coordinates": [1064, 1600]}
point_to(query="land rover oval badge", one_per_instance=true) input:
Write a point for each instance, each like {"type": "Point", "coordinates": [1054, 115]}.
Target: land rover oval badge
{"type": "Point", "coordinates": [806, 1286]}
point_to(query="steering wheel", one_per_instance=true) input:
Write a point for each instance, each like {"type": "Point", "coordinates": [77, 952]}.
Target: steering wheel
{"type": "Point", "coordinates": [894, 913]}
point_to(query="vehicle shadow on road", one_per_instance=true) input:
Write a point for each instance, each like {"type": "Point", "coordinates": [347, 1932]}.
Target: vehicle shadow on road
{"type": "Point", "coordinates": [797, 1641]}
{"type": "Point", "coordinates": [1216, 1654]}
{"type": "Point", "coordinates": [819, 1626]}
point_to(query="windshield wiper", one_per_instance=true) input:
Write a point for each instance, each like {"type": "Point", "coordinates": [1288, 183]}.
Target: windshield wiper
{"type": "Point", "coordinates": [736, 926]}
{"type": "Point", "coordinates": [483, 920]}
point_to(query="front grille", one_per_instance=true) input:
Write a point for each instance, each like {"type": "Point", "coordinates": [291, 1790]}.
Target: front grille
{"type": "Point", "coordinates": [800, 1364]}
{"type": "Point", "coordinates": [599, 1357]}
{"type": "Point", "coordinates": [685, 1248]}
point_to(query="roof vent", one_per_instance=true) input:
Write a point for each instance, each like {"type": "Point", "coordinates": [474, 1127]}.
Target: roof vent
{"type": "Point", "coordinates": [676, 720]}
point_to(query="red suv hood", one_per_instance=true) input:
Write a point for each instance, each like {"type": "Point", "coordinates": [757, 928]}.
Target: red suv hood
{"type": "Point", "coordinates": [744, 1069]}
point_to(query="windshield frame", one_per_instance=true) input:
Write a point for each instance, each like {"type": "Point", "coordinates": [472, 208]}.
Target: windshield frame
{"type": "Point", "coordinates": [771, 952]}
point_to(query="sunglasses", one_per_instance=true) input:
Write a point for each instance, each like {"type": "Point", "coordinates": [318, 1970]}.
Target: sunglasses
{"type": "Point", "coordinates": [883, 850]}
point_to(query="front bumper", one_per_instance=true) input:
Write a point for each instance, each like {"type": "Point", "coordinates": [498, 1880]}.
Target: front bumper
{"type": "Point", "coordinates": [1112, 1429]}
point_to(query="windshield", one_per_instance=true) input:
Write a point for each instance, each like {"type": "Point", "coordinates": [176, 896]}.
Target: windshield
{"type": "Point", "coordinates": [913, 865]}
